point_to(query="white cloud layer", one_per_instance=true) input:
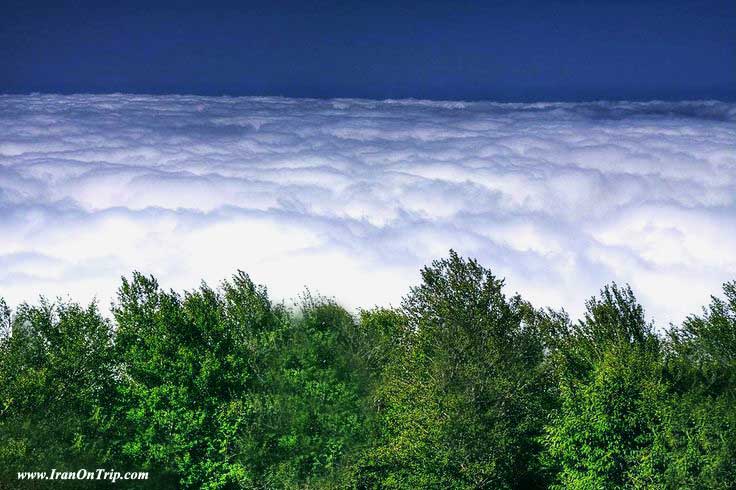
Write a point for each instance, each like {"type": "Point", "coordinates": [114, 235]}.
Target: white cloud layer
{"type": "Point", "coordinates": [352, 197]}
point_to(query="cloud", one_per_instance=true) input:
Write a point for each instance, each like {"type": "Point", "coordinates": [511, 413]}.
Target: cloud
{"type": "Point", "coordinates": [352, 197]}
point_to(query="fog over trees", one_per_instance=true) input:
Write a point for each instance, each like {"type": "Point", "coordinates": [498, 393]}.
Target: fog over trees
{"type": "Point", "coordinates": [463, 386]}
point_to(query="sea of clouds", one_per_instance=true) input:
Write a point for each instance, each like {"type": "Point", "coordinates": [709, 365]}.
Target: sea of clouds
{"type": "Point", "coordinates": [352, 197]}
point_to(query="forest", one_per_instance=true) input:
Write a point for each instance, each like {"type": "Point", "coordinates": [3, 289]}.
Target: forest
{"type": "Point", "coordinates": [462, 386]}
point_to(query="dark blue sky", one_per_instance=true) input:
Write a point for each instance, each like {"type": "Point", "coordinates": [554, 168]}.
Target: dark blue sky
{"type": "Point", "coordinates": [522, 50]}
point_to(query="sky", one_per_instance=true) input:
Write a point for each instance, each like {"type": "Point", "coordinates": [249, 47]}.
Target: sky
{"type": "Point", "coordinates": [350, 197]}
{"type": "Point", "coordinates": [344, 145]}
{"type": "Point", "coordinates": [503, 51]}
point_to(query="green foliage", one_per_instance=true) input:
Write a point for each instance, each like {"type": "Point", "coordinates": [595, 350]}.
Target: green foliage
{"type": "Point", "coordinates": [611, 387]}
{"type": "Point", "coordinates": [194, 390]}
{"type": "Point", "coordinates": [319, 384]}
{"type": "Point", "coordinates": [459, 405]}
{"type": "Point", "coordinates": [700, 436]}
{"type": "Point", "coordinates": [603, 435]}
{"type": "Point", "coordinates": [227, 390]}
{"type": "Point", "coordinates": [56, 371]}
{"type": "Point", "coordinates": [460, 388]}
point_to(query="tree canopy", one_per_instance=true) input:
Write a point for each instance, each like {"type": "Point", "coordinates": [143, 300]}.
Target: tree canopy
{"type": "Point", "coordinates": [463, 386]}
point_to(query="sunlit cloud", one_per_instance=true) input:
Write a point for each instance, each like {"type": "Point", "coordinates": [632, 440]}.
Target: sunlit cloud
{"type": "Point", "coordinates": [351, 197]}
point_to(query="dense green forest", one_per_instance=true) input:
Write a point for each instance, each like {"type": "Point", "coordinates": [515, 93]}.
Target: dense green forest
{"type": "Point", "coordinates": [461, 387]}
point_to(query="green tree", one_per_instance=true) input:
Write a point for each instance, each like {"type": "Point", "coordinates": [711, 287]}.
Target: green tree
{"type": "Point", "coordinates": [460, 407]}
{"type": "Point", "coordinates": [700, 434]}
{"type": "Point", "coordinates": [193, 396]}
{"type": "Point", "coordinates": [611, 392]}
{"type": "Point", "coordinates": [321, 385]}
{"type": "Point", "coordinates": [460, 388]}
{"type": "Point", "coordinates": [56, 371]}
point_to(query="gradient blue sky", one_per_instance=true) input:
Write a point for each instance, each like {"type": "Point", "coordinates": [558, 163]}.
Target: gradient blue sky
{"type": "Point", "coordinates": [523, 50]}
